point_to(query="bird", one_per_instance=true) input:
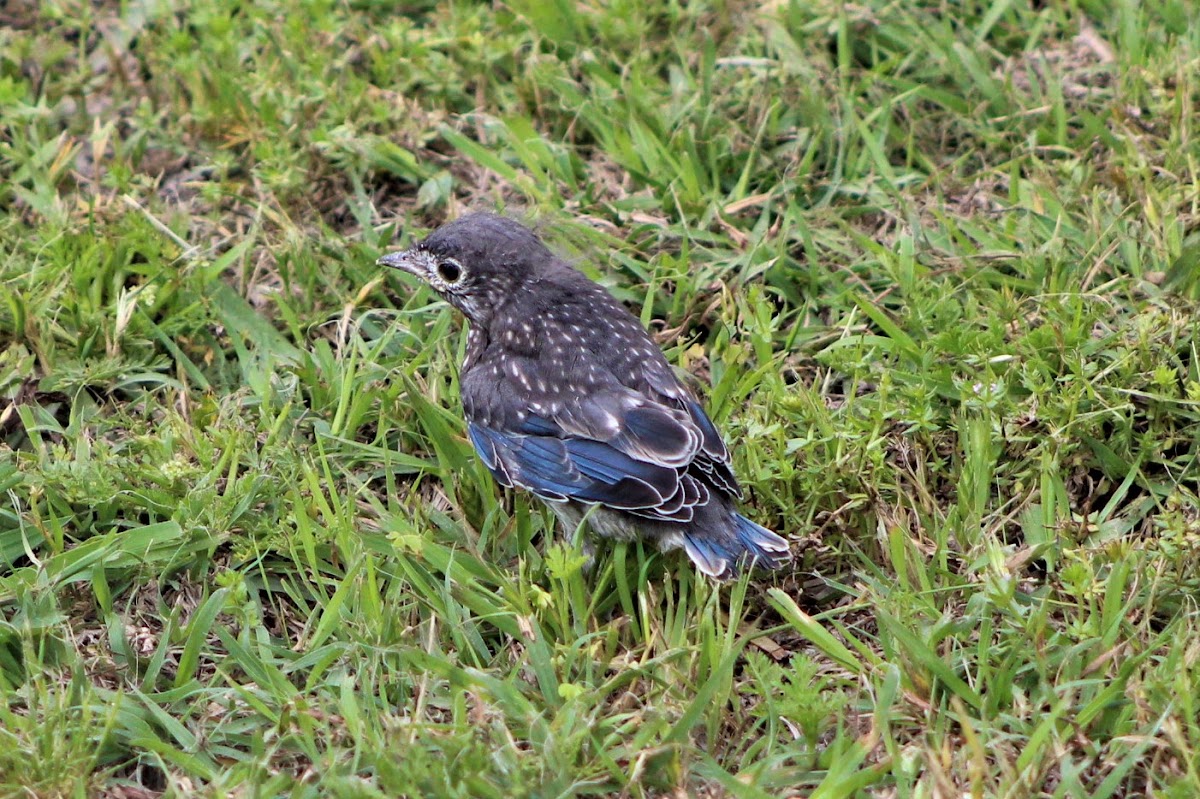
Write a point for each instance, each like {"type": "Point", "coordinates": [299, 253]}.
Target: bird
{"type": "Point", "coordinates": [567, 397]}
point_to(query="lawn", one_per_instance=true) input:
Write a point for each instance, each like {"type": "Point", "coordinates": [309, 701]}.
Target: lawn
{"type": "Point", "coordinates": [934, 266]}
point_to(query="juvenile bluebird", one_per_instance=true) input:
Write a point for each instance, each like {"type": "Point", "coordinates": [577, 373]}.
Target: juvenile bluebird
{"type": "Point", "coordinates": [566, 396]}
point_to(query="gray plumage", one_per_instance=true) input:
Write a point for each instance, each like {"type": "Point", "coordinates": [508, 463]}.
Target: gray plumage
{"type": "Point", "coordinates": [566, 396]}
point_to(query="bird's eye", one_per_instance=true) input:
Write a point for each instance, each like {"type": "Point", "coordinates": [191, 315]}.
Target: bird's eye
{"type": "Point", "coordinates": [449, 270]}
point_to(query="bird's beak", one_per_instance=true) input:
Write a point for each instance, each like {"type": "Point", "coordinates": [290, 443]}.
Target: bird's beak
{"type": "Point", "coordinates": [397, 260]}
{"type": "Point", "coordinates": [400, 260]}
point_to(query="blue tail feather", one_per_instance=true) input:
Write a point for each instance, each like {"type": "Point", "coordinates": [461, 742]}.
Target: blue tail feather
{"type": "Point", "coordinates": [770, 551]}
{"type": "Point", "coordinates": [710, 557]}
{"type": "Point", "coordinates": [752, 545]}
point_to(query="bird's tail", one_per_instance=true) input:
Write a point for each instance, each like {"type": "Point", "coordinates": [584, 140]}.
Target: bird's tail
{"type": "Point", "coordinates": [751, 546]}
{"type": "Point", "coordinates": [769, 551]}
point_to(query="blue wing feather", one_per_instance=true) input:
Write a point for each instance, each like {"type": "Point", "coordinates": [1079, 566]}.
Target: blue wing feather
{"type": "Point", "coordinates": [601, 462]}
{"type": "Point", "coordinates": [574, 468]}
{"type": "Point", "coordinates": [484, 448]}
{"type": "Point", "coordinates": [713, 457]}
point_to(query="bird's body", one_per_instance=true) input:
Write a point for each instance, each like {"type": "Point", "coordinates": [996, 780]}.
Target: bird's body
{"type": "Point", "coordinates": [567, 396]}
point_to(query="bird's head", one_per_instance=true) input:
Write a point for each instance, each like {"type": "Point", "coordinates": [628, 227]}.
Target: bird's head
{"type": "Point", "coordinates": [475, 262]}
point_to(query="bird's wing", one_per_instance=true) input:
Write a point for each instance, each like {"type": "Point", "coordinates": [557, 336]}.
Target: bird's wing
{"type": "Point", "coordinates": [657, 379]}
{"type": "Point", "coordinates": [630, 423]}
{"type": "Point", "coordinates": [605, 443]}
{"type": "Point", "coordinates": [712, 458]}
{"type": "Point", "coordinates": [541, 457]}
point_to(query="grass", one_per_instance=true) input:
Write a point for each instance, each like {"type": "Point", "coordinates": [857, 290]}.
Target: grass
{"type": "Point", "coordinates": [936, 268]}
